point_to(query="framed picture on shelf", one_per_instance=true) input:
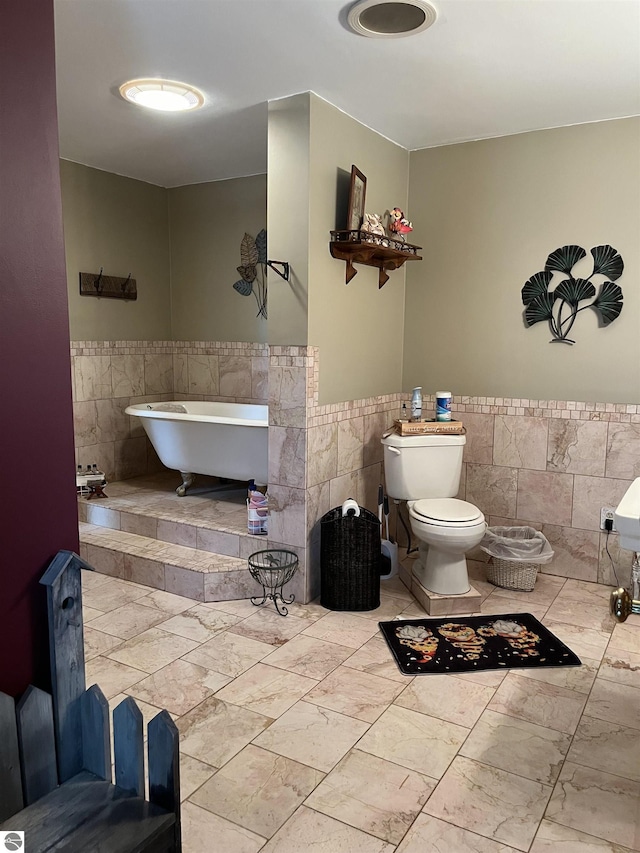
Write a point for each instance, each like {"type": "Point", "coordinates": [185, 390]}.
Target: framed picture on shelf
{"type": "Point", "coordinates": [355, 211]}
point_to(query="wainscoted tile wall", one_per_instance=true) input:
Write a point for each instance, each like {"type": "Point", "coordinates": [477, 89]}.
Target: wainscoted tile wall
{"type": "Point", "coordinates": [108, 376]}
{"type": "Point", "coordinates": [546, 463]}
{"type": "Point", "coordinates": [552, 464]}
{"type": "Point", "coordinates": [318, 455]}
{"type": "Point", "coordinates": [549, 464]}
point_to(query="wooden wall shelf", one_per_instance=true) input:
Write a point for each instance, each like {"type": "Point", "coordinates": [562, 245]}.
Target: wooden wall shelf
{"type": "Point", "coordinates": [371, 250]}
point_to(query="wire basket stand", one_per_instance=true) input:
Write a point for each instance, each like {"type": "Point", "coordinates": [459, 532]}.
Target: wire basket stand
{"type": "Point", "coordinates": [272, 570]}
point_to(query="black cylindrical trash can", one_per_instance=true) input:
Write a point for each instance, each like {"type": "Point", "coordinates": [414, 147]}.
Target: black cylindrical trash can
{"type": "Point", "coordinates": [350, 560]}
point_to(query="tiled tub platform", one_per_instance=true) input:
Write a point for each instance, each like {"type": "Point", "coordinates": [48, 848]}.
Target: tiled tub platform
{"type": "Point", "coordinates": [196, 546]}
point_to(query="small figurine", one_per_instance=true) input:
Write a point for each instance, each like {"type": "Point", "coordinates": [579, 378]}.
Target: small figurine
{"type": "Point", "coordinates": [399, 224]}
{"type": "Point", "coordinates": [372, 223]}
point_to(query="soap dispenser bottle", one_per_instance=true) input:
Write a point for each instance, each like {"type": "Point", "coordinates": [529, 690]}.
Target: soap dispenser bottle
{"type": "Point", "coordinates": [416, 404]}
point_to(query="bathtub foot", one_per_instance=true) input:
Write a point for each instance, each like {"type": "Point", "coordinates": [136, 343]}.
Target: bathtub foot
{"type": "Point", "coordinates": [188, 479]}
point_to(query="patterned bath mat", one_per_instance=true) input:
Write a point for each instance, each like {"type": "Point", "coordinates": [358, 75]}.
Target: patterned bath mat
{"type": "Point", "coordinates": [473, 643]}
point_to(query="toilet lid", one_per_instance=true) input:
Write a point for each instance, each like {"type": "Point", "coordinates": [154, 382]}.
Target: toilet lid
{"type": "Point", "coordinates": [447, 511]}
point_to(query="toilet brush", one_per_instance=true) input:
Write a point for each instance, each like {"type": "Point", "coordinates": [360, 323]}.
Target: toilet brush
{"type": "Point", "coordinates": [385, 559]}
{"type": "Point", "coordinates": [389, 549]}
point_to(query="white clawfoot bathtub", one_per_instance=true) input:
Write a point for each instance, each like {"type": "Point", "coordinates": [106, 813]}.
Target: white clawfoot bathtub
{"type": "Point", "coordinates": [220, 439]}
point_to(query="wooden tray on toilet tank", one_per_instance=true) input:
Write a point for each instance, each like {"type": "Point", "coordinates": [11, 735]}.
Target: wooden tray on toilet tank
{"type": "Point", "coordinates": [429, 427]}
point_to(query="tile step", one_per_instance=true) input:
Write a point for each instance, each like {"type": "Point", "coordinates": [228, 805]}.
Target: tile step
{"type": "Point", "coordinates": [195, 573]}
{"type": "Point", "coordinates": [446, 605]}
{"type": "Point", "coordinates": [220, 533]}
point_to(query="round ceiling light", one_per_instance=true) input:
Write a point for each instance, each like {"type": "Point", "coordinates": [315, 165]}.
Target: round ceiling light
{"type": "Point", "coordinates": [165, 95]}
{"type": "Point", "coordinates": [391, 19]}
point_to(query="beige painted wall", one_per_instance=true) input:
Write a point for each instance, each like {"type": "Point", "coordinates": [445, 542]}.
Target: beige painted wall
{"type": "Point", "coordinates": [358, 327]}
{"type": "Point", "coordinates": [488, 214]}
{"type": "Point", "coordinates": [207, 223]}
{"type": "Point", "coordinates": [121, 225]}
{"type": "Point", "coordinates": [288, 217]}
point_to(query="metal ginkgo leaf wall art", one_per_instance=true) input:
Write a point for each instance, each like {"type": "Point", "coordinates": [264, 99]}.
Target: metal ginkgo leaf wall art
{"type": "Point", "coordinates": [561, 305]}
{"type": "Point", "coordinates": [253, 270]}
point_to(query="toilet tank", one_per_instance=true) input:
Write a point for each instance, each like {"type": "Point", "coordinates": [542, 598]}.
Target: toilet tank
{"type": "Point", "coordinates": [422, 466]}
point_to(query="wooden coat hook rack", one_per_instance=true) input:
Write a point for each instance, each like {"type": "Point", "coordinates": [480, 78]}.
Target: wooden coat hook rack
{"type": "Point", "coordinates": [109, 286]}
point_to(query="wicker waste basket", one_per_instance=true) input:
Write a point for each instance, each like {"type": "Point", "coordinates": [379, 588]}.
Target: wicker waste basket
{"type": "Point", "coordinates": [516, 553]}
{"type": "Point", "coordinates": [350, 558]}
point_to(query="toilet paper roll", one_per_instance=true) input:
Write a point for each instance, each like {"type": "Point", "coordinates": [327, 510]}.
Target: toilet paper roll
{"type": "Point", "coordinates": [350, 504]}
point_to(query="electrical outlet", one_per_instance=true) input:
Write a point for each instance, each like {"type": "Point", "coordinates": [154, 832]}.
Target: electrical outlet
{"type": "Point", "coordinates": [605, 513]}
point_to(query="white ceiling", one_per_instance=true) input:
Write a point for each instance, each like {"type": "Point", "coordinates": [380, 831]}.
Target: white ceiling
{"type": "Point", "coordinates": [485, 68]}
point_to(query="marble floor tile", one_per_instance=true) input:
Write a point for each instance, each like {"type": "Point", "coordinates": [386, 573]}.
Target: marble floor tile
{"type": "Point", "coordinates": [495, 604]}
{"type": "Point", "coordinates": [256, 739]}
{"type": "Point", "coordinates": [241, 607]}
{"type": "Point", "coordinates": [578, 678]}
{"type": "Point", "coordinates": [229, 654]}
{"type": "Point", "coordinates": [554, 838]}
{"type": "Point", "coordinates": [547, 588]}
{"type": "Point", "coordinates": [597, 803]}
{"type": "Point", "coordinates": [98, 643]}
{"type": "Point", "coordinates": [373, 795]}
{"type": "Point", "coordinates": [310, 830]}
{"type": "Point", "coordinates": [214, 732]}
{"type": "Point", "coordinates": [375, 658]}
{"type": "Point", "coordinates": [414, 611]}
{"type": "Point", "coordinates": [268, 627]}
{"type": "Point", "coordinates": [415, 741]}
{"type": "Point", "coordinates": [258, 789]}
{"type": "Point", "coordinates": [112, 677]}
{"type": "Point", "coordinates": [430, 835]}
{"type": "Point", "coordinates": [92, 580]}
{"type": "Point", "coordinates": [200, 826]}
{"type": "Point", "coordinates": [178, 687]}
{"type": "Point", "coordinates": [309, 656]}
{"type": "Point", "coordinates": [89, 613]}
{"type": "Point", "coordinates": [127, 621]}
{"type": "Point", "coordinates": [517, 746]}
{"type": "Point", "coordinates": [166, 602]}
{"type": "Point", "coordinates": [355, 693]}
{"type": "Point", "coordinates": [267, 690]}
{"type": "Point", "coordinates": [626, 637]}
{"type": "Point", "coordinates": [585, 642]}
{"type": "Point", "coordinates": [312, 735]}
{"type": "Point", "coordinates": [310, 612]}
{"type": "Point", "coordinates": [396, 589]}
{"type": "Point", "coordinates": [390, 608]}
{"type": "Point", "coordinates": [488, 678]}
{"type": "Point", "coordinates": [111, 595]}
{"type": "Point", "coordinates": [199, 623]}
{"type": "Point", "coordinates": [478, 578]}
{"type": "Point", "coordinates": [491, 802]}
{"type": "Point", "coordinates": [447, 698]}
{"type": "Point", "coordinates": [540, 703]}
{"type": "Point", "coordinates": [193, 774]}
{"type": "Point", "coordinates": [587, 611]}
{"type": "Point", "coordinates": [152, 650]}
{"type": "Point", "coordinates": [343, 628]}
{"type": "Point", "coordinates": [607, 746]}
{"type": "Point", "coordinates": [147, 710]}
{"type": "Point", "coordinates": [585, 591]}
{"type": "Point", "coordinates": [620, 666]}
{"type": "Point", "coordinates": [614, 702]}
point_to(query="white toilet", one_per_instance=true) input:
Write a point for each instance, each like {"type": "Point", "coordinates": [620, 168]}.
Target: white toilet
{"type": "Point", "coordinates": [425, 471]}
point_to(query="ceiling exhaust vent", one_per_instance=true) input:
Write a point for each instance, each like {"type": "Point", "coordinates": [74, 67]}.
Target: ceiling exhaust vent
{"type": "Point", "coordinates": [390, 19]}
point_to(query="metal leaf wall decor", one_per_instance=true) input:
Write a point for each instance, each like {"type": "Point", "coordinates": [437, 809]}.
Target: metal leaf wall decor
{"type": "Point", "coordinates": [253, 270]}
{"type": "Point", "coordinates": [561, 305]}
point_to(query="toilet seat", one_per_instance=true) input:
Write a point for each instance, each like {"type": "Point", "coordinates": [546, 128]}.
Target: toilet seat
{"type": "Point", "coordinates": [446, 512]}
